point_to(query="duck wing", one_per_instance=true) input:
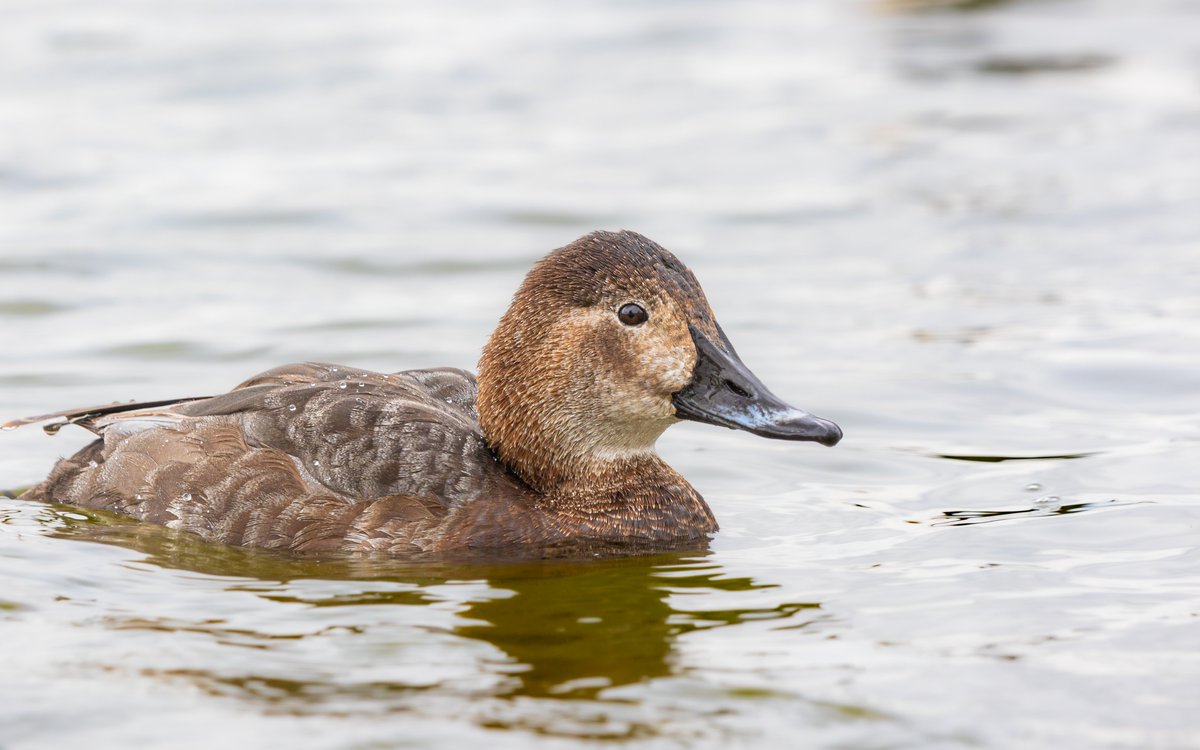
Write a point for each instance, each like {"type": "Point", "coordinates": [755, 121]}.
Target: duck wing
{"type": "Point", "coordinates": [362, 433]}
{"type": "Point", "coordinates": [306, 457]}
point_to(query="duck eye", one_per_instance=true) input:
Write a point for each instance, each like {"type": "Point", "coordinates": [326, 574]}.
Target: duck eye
{"type": "Point", "coordinates": [632, 314]}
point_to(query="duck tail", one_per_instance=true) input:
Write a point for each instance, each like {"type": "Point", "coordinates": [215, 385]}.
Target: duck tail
{"type": "Point", "coordinates": [85, 416]}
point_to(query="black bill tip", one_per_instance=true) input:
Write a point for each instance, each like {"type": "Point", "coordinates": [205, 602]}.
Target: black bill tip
{"type": "Point", "coordinates": [797, 424]}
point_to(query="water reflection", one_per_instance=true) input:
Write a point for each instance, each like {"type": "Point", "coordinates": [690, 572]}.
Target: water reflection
{"type": "Point", "coordinates": [919, 6]}
{"type": "Point", "coordinates": [581, 627]}
{"type": "Point", "coordinates": [1043, 507]}
{"type": "Point", "coordinates": [996, 459]}
{"type": "Point", "coordinates": [568, 629]}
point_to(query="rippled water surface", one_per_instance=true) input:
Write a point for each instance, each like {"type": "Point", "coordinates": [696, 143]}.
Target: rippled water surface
{"type": "Point", "coordinates": [969, 233]}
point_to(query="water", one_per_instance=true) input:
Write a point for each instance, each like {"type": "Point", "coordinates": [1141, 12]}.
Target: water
{"type": "Point", "coordinates": [969, 235]}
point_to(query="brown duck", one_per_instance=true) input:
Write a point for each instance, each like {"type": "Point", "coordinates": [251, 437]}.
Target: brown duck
{"type": "Point", "coordinates": [608, 342]}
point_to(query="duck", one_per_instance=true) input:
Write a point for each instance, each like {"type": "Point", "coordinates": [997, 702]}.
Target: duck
{"type": "Point", "coordinates": [607, 342]}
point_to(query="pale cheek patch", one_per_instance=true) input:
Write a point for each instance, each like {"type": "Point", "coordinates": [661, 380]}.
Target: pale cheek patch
{"type": "Point", "coordinates": [670, 369]}
{"type": "Point", "coordinates": [668, 358]}
{"type": "Point", "coordinates": [655, 406]}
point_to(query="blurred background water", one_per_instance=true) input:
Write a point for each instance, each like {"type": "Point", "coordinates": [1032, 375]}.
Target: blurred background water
{"type": "Point", "coordinates": [967, 231]}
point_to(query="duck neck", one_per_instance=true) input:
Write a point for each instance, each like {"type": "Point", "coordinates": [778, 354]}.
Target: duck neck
{"type": "Point", "coordinates": [545, 425]}
{"type": "Point", "coordinates": [634, 498]}
{"type": "Point", "coordinates": [555, 458]}
{"type": "Point", "coordinates": [586, 492]}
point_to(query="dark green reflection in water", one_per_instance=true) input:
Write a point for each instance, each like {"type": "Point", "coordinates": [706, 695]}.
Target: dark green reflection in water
{"type": "Point", "coordinates": [571, 627]}
{"type": "Point", "coordinates": [584, 626]}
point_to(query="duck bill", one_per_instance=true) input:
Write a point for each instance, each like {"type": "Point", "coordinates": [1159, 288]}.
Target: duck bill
{"type": "Point", "coordinates": [724, 392]}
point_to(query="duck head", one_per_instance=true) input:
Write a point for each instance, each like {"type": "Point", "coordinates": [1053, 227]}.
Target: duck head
{"type": "Point", "coordinates": [608, 342]}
